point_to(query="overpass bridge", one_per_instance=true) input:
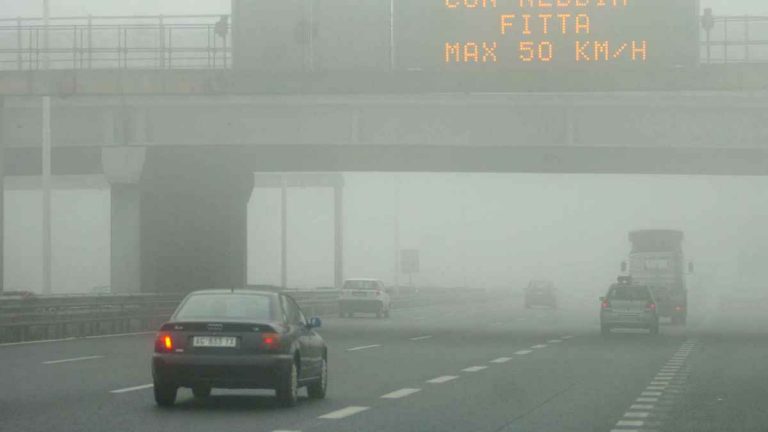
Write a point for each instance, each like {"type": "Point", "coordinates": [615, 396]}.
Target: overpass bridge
{"type": "Point", "coordinates": [180, 146]}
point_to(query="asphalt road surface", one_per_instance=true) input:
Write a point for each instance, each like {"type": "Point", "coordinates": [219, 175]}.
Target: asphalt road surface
{"type": "Point", "coordinates": [485, 367]}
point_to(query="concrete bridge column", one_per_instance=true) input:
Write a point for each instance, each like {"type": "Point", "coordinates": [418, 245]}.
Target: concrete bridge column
{"type": "Point", "coordinates": [193, 223]}
{"type": "Point", "coordinates": [123, 167]}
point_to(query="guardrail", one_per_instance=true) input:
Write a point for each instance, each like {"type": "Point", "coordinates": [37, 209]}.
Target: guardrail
{"type": "Point", "coordinates": [60, 317]}
{"type": "Point", "coordinates": [116, 42]}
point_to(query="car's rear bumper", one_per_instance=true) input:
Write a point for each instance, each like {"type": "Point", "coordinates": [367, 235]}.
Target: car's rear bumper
{"type": "Point", "coordinates": [614, 319]}
{"type": "Point", "coordinates": [252, 371]}
{"type": "Point", "coordinates": [540, 301]}
{"type": "Point", "coordinates": [361, 305]}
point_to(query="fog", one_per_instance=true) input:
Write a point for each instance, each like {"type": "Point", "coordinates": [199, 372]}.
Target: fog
{"type": "Point", "coordinates": [479, 230]}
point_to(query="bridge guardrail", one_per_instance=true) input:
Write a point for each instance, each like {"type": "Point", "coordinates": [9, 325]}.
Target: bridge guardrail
{"type": "Point", "coordinates": [60, 317]}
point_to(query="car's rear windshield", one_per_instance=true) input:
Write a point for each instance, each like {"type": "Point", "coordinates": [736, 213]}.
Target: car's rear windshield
{"type": "Point", "coordinates": [361, 285]}
{"type": "Point", "coordinates": [629, 293]}
{"type": "Point", "coordinates": [251, 307]}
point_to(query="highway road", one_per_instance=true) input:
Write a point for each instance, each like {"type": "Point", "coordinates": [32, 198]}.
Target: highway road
{"type": "Point", "coordinates": [486, 367]}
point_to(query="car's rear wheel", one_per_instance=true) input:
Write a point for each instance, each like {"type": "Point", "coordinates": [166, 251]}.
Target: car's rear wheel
{"type": "Point", "coordinates": [605, 330]}
{"type": "Point", "coordinates": [655, 329]}
{"type": "Point", "coordinates": [316, 390]}
{"type": "Point", "coordinates": [201, 391]}
{"type": "Point", "coordinates": [287, 390]}
{"type": "Point", "coordinates": [165, 393]}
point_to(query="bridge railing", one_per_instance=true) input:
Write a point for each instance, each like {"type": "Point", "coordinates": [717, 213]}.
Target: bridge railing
{"type": "Point", "coordinates": [736, 39]}
{"type": "Point", "coordinates": [59, 317]}
{"type": "Point", "coordinates": [118, 42]}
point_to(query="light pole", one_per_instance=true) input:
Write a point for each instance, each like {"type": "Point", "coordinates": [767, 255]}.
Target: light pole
{"type": "Point", "coordinates": [46, 157]}
{"type": "Point", "coordinates": [396, 231]}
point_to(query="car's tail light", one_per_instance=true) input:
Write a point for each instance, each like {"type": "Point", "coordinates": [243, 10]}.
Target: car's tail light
{"type": "Point", "coordinates": [271, 341]}
{"type": "Point", "coordinates": [650, 307]}
{"type": "Point", "coordinates": [606, 304]}
{"type": "Point", "coordinates": [164, 343]}
{"type": "Point", "coordinates": [678, 308]}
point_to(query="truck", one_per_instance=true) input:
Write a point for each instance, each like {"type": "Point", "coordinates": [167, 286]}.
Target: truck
{"type": "Point", "coordinates": [656, 260]}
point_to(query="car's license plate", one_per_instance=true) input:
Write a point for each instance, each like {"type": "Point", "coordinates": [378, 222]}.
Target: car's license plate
{"type": "Point", "coordinates": [214, 341]}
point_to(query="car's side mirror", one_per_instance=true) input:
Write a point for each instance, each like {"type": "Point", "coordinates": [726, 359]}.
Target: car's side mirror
{"type": "Point", "coordinates": [315, 322]}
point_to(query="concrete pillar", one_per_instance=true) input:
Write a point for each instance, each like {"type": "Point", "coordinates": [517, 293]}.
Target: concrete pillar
{"type": "Point", "coordinates": [123, 168]}
{"type": "Point", "coordinates": [2, 197]}
{"type": "Point", "coordinates": [338, 204]}
{"type": "Point", "coordinates": [193, 223]}
{"type": "Point", "coordinates": [125, 234]}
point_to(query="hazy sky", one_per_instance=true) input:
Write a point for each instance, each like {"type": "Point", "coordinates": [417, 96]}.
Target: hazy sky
{"type": "Point", "coordinates": [12, 8]}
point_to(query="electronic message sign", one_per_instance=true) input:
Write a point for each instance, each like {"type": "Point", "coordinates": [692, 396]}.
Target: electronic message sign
{"type": "Point", "coordinates": [497, 34]}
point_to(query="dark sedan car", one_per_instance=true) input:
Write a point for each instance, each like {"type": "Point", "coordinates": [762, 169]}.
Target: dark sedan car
{"type": "Point", "coordinates": [239, 339]}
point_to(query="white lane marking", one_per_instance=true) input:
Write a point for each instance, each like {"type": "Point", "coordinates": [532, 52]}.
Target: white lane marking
{"type": "Point", "coordinates": [625, 430]}
{"type": "Point", "coordinates": [651, 393]}
{"type": "Point", "coordinates": [363, 347]}
{"type": "Point", "coordinates": [647, 399]}
{"type": "Point", "coordinates": [539, 346]}
{"type": "Point", "coordinates": [661, 383]}
{"type": "Point", "coordinates": [636, 414]}
{"type": "Point", "coordinates": [69, 339]}
{"type": "Point", "coordinates": [76, 359]}
{"type": "Point", "coordinates": [344, 412]}
{"type": "Point", "coordinates": [656, 388]}
{"type": "Point", "coordinates": [641, 407]}
{"type": "Point", "coordinates": [554, 341]}
{"type": "Point", "coordinates": [523, 352]}
{"type": "Point", "coordinates": [501, 360]}
{"type": "Point", "coordinates": [397, 394]}
{"type": "Point", "coordinates": [633, 423]}
{"type": "Point", "coordinates": [130, 389]}
{"type": "Point", "coordinates": [566, 337]}
{"type": "Point", "coordinates": [418, 338]}
{"type": "Point", "coordinates": [474, 368]}
{"type": "Point", "coordinates": [442, 379]}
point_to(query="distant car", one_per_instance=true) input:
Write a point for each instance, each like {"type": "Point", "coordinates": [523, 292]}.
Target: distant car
{"type": "Point", "coordinates": [541, 293]}
{"type": "Point", "coordinates": [628, 306]}
{"type": "Point", "coordinates": [365, 296]}
{"type": "Point", "coordinates": [239, 339]}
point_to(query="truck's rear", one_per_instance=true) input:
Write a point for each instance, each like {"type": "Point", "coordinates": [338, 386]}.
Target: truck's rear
{"type": "Point", "coordinates": [657, 261]}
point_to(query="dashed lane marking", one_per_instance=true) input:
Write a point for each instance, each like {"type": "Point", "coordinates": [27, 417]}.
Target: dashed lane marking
{"type": "Point", "coordinates": [632, 423]}
{"type": "Point", "coordinates": [651, 393]}
{"type": "Point", "coordinates": [397, 394]}
{"type": "Point", "coordinates": [636, 414]}
{"type": "Point", "coordinates": [365, 347]}
{"type": "Point", "coordinates": [647, 399]}
{"type": "Point", "coordinates": [523, 352]}
{"type": "Point", "coordinates": [539, 346]}
{"type": "Point", "coordinates": [420, 338]}
{"type": "Point", "coordinates": [76, 359]}
{"type": "Point", "coordinates": [554, 341]}
{"type": "Point", "coordinates": [501, 360]}
{"type": "Point", "coordinates": [344, 412]}
{"type": "Point", "coordinates": [641, 407]}
{"type": "Point", "coordinates": [442, 379]}
{"type": "Point", "coordinates": [130, 389]}
{"type": "Point", "coordinates": [474, 368]}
